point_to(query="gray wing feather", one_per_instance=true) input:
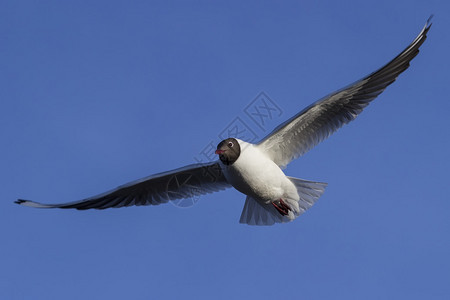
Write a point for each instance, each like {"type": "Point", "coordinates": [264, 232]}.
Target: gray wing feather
{"type": "Point", "coordinates": [185, 182]}
{"type": "Point", "coordinates": [315, 123]}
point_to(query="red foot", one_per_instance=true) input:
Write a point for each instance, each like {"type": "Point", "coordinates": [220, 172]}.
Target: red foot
{"type": "Point", "coordinates": [282, 207]}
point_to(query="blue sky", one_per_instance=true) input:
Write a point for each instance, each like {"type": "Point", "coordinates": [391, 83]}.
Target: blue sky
{"type": "Point", "coordinates": [98, 94]}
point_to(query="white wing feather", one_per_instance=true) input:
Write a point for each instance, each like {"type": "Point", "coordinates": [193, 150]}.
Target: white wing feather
{"type": "Point", "coordinates": [185, 182]}
{"type": "Point", "coordinates": [315, 123]}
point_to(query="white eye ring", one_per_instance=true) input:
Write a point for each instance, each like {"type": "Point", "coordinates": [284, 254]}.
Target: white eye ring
{"type": "Point", "coordinates": [230, 144]}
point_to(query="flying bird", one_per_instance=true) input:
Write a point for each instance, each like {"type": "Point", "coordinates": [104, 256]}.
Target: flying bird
{"type": "Point", "coordinates": [256, 169]}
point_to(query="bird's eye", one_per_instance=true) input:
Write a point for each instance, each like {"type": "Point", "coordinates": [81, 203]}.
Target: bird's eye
{"type": "Point", "coordinates": [230, 144]}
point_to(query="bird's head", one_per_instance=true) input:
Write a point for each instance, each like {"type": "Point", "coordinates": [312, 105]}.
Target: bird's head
{"type": "Point", "coordinates": [228, 151]}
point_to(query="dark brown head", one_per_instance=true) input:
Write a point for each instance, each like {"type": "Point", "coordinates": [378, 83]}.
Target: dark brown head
{"type": "Point", "coordinates": [229, 151]}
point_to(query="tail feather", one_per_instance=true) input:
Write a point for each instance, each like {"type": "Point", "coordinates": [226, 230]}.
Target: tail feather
{"type": "Point", "coordinates": [255, 213]}
{"type": "Point", "coordinates": [309, 192]}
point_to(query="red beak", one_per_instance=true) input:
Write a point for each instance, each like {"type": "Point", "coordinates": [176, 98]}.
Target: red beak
{"type": "Point", "coordinates": [219, 151]}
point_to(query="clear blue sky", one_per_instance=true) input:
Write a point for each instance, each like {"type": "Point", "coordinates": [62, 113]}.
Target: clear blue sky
{"type": "Point", "coordinates": [98, 94]}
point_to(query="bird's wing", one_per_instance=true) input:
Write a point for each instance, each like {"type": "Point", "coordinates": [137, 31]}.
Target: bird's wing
{"type": "Point", "coordinates": [315, 123]}
{"type": "Point", "coordinates": [186, 182]}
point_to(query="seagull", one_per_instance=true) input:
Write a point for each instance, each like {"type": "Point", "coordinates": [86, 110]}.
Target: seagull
{"type": "Point", "coordinates": [256, 170]}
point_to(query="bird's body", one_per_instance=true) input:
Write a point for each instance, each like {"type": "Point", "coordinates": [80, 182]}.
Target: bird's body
{"type": "Point", "coordinates": [272, 197]}
{"type": "Point", "coordinates": [256, 169]}
{"type": "Point", "coordinates": [257, 176]}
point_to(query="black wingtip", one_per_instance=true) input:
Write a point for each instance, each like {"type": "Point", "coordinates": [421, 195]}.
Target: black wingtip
{"type": "Point", "coordinates": [428, 23]}
{"type": "Point", "coordinates": [30, 203]}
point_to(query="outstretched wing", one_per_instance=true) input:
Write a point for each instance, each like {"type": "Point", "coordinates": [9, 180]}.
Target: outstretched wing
{"type": "Point", "coordinates": [186, 182]}
{"type": "Point", "coordinates": [315, 123]}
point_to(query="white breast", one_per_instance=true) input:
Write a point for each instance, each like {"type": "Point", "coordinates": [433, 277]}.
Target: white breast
{"type": "Point", "coordinates": [256, 175]}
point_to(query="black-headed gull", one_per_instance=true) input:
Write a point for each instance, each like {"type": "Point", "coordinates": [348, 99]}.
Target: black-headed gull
{"type": "Point", "coordinates": [256, 169]}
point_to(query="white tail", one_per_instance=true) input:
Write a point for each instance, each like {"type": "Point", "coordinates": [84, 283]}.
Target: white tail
{"type": "Point", "coordinates": [255, 213]}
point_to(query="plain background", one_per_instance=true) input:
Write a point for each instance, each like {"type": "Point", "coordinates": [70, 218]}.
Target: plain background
{"type": "Point", "coordinates": [98, 93]}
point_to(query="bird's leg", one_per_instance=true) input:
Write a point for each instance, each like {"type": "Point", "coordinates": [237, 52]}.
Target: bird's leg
{"type": "Point", "coordinates": [282, 207]}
